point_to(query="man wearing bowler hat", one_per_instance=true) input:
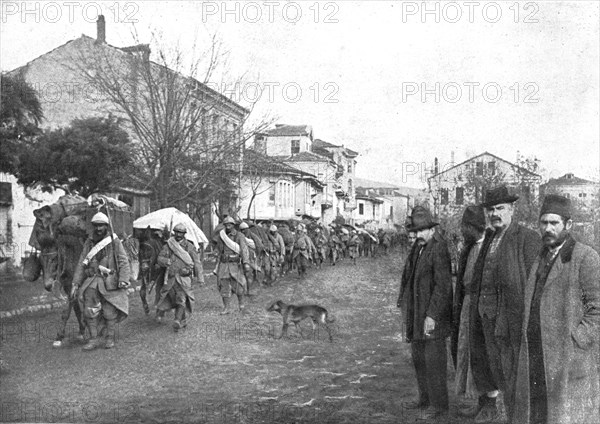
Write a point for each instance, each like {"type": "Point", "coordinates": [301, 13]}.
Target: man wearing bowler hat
{"type": "Point", "coordinates": [426, 300]}
{"type": "Point", "coordinates": [496, 312]}
{"type": "Point", "coordinates": [557, 379]}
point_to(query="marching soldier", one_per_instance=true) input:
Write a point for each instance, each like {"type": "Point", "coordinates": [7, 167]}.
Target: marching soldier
{"type": "Point", "coordinates": [234, 264]}
{"type": "Point", "coordinates": [255, 247]}
{"type": "Point", "coordinates": [302, 248]}
{"type": "Point", "coordinates": [276, 250]}
{"type": "Point", "coordinates": [353, 244]}
{"type": "Point", "coordinates": [181, 261]}
{"type": "Point", "coordinates": [100, 283]}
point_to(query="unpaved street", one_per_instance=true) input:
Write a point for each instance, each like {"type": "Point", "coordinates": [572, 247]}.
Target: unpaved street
{"type": "Point", "coordinates": [225, 369]}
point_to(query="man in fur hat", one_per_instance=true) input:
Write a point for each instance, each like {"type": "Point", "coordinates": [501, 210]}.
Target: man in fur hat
{"type": "Point", "coordinates": [507, 255]}
{"type": "Point", "coordinates": [473, 230]}
{"type": "Point", "coordinates": [557, 378]}
{"type": "Point", "coordinates": [181, 261]}
{"type": "Point", "coordinates": [426, 302]}
{"type": "Point", "coordinates": [100, 283]}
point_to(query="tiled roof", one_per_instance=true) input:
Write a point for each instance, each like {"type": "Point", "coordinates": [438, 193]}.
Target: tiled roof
{"type": "Point", "coordinates": [307, 157]}
{"type": "Point", "coordinates": [272, 164]}
{"type": "Point", "coordinates": [128, 50]}
{"type": "Point", "coordinates": [321, 145]}
{"type": "Point", "coordinates": [289, 130]}
{"type": "Point", "coordinates": [569, 179]}
{"type": "Point", "coordinates": [478, 156]}
{"type": "Point", "coordinates": [360, 182]}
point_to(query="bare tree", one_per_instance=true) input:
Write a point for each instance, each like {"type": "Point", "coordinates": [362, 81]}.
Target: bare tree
{"type": "Point", "coordinates": [189, 138]}
{"type": "Point", "coordinates": [259, 174]}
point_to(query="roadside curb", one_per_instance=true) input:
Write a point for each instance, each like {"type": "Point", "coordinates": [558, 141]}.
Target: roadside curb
{"type": "Point", "coordinates": [48, 306]}
{"type": "Point", "coordinates": [33, 308]}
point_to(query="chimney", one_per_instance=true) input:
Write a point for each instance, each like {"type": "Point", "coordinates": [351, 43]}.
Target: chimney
{"type": "Point", "coordinates": [435, 166]}
{"type": "Point", "coordinates": [101, 29]}
{"type": "Point", "coordinates": [452, 158]}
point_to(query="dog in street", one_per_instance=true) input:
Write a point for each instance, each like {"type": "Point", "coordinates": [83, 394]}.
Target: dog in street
{"type": "Point", "coordinates": [295, 314]}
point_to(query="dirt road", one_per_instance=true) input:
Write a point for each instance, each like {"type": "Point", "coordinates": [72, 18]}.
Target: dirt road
{"type": "Point", "coordinates": [225, 369]}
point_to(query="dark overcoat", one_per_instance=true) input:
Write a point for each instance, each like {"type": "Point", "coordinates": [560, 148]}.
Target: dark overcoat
{"type": "Point", "coordinates": [429, 293]}
{"type": "Point", "coordinates": [570, 330]}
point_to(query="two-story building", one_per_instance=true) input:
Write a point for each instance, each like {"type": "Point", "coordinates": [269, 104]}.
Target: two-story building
{"type": "Point", "coordinates": [284, 140]}
{"type": "Point", "coordinates": [333, 166]}
{"type": "Point", "coordinates": [345, 159]}
{"type": "Point", "coordinates": [584, 194]}
{"type": "Point", "coordinates": [81, 78]}
{"type": "Point", "coordinates": [394, 204]}
{"type": "Point", "coordinates": [272, 189]}
{"type": "Point", "coordinates": [457, 186]}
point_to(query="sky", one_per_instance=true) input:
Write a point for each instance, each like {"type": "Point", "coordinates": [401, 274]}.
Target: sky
{"type": "Point", "coordinates": [401, 82]}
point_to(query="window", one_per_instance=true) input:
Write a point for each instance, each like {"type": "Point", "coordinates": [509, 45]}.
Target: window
{"type": "Point", "coordinates": [492, 168]}
{"type": "Point", "coordinates": [391, 211]}
{"type": "Point", "coordinates": [6, 194]}
{"type": "Point", "coordinates": [479, 168]}
{"type": "Point", "coordinates": [444, 196]}
{"type": "Point", "coordinates": [460, 195]}
{"type": "Point", "coordinates": [361, 209]}
{"type": "Point", "coordinates": [272, 195]}
{"type": "Point", "coordinates": [295, 146]}
{"type": "Point", "coordinates": [349, 167]}
{"type": "Point", "coordinates": [526, 192]}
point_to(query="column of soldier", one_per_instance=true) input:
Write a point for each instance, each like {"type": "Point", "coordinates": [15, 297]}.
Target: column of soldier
{"type": "Point", "coordinates": [250, 255]}
{"type": "Point", "coordinates": [523, 316]}
{"type": "Point", "coordinates": [247, 255]}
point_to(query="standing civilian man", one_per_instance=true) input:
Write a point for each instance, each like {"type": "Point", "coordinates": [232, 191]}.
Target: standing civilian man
{"type": "Point", "coordinates": [500, 275]}
{"type": "Point", "coordinates": [426, 300]}
{"type": "Point", "coordinates": [557, 380]}
{"type": "Point", "coordinates": [473, 230]}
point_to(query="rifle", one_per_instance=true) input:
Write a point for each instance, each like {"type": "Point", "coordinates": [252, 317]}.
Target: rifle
{"type": "Point", "coordinates": [112, 241]}
{"type": "Point", "coordinates": [166, 275]}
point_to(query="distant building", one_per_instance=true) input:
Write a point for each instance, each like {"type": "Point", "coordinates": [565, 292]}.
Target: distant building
{"type": "Point", "coordinates": [395, 204]}
{"type": "Point", "coordinates": [333, 166]}
{"type": "Point", "coordinates": [272, 189]}
{"type": "Point", "coordinates": [368, 211]}
{"type": "Point", "coordinates": [465, 183]}
{"type": "Point", "coordinates": [583, 193]}
{"type": "Point", "coordinates": [284, 140]}
{"type": "Point", "coordinates": [345, 159]}
{"type": "Point", "coordinates": [325, 170]}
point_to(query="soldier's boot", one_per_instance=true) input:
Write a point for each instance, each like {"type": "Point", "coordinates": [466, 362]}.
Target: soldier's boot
{"type": "Point", "coordinates": [109, 342]}
{"type": "Point", "coordinates": [241, 304]}
{"type": "Point", "coordinates": [179, 311]}
{"type": "Point", "coordinates": [184, 319]}
{"type": "Point", "coordinates": [226, 302]}
{"type": "Point", "coordinates": [93, 342]}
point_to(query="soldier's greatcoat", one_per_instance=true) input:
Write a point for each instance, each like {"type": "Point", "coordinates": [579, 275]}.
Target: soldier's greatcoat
{"type": "Point", "coordinates": [179, 272]}
{"type": "Point", "coordinates": [89, 275]}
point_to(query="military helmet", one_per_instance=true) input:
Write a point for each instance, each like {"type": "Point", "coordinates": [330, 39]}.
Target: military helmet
{"type": "Point", "coordinates": [100, 218]}
{"type": "Point", "coordinates": [243, 226]}
{"type": "Point", "coordinates": [228, 220]}
{"type": "Point", "coordinates": [179, 228]}
{"type": "Point", "coordinates": [273, 228]}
